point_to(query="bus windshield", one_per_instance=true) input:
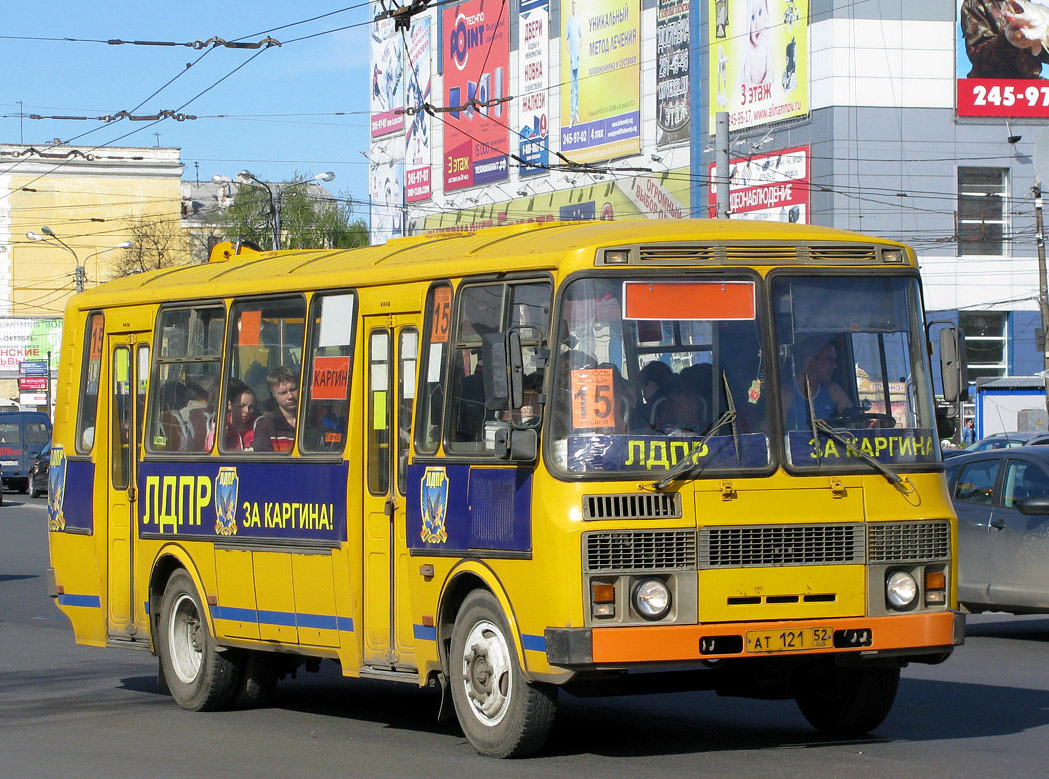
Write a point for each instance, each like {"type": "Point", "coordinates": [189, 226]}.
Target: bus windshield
{"type": "Point", "coordinates": [645, 367]}
{"type": "Point", "coordinates": [850, 354]}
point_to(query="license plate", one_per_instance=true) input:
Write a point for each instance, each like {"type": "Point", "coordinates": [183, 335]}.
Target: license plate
{"type": "Point", "coordinates": [12, 463]}
{"type": "Point", "coordinates": [795, 640]}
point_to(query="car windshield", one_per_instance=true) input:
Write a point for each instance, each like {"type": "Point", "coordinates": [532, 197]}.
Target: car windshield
{"type": "Point", "coordinates": [850, 352]}
{"type": "Point", "coordinates": [644, 368]}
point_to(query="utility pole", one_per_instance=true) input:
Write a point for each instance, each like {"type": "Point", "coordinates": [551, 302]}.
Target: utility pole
{"type": "Point", "coordinates": [722, 163]}
{"type": "Point", "coordinates": [1043, 287]}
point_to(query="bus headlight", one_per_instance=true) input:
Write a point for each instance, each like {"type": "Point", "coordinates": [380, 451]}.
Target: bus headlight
{"type": "Point", "coordinates": [901, 590]}
{"type": "Point", "coordinates": [652, 599]}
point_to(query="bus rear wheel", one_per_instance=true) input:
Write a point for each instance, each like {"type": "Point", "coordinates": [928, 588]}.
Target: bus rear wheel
{"type": "Point", "coordinates": [199, 677]}
{"type": "Point", "coordinates": [846, 701]}
{"type": "Point", "coordinates": [501, 713]}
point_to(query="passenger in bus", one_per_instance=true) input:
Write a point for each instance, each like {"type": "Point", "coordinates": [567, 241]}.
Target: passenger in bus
{"type": "Point", "coordinates": [687, 403]}
{"type": "Point", "coordinates": [196, 417]}
{"type": "Point", "coordinates": [241, 415]}
{"type": "Point", "coordinates": [275, 430]}
{"type": "Point", "coordinates": [470, 406]}
{"type": "Point", "coordinates": [815, 361]}
{"type": "Point", "coordinates": [654, 382]}
{"type": "Point", "coordinates": [174, 433]}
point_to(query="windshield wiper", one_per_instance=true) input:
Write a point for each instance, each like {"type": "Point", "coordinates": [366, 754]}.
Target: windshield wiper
{"type": "Point", "coordinates": [849, 442]}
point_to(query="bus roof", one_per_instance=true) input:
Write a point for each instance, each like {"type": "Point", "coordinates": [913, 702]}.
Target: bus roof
{"type": "Point", "coordinates": [564, 246]}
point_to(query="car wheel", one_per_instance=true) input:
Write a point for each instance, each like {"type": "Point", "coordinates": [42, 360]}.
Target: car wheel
{"type": "Point", "coordinates": [34, 485]}
{"type": "Point", "coordinates": [501, 714]}
{"type": "Point", "coordinates": [199, 677]}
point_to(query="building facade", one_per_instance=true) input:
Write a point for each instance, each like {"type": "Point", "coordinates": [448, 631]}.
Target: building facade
{"type": "Point", "coordinates": [78, 203]}
{"type": "Point", "coordinates": [861, 116]}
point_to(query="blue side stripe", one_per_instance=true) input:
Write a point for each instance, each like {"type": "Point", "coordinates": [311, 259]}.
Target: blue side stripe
{"type": "Point", "coordinates": [87, 601]}
{"type": "Point", "coordinates": [533, 643]}
{"type": "Point", "coordinates": [424, 633]}
{"type": "Point", "coordinates": [283, 618]}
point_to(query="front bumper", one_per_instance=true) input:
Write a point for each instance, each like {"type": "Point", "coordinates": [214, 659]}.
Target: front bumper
{"type": "Point", "coordinates": [901, 635]}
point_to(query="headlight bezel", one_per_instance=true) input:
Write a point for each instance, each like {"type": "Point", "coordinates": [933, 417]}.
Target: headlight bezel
{"type": "Point", "coordinates": [644, 594]}
{"type": "Point", "coordinates": [898, 582]}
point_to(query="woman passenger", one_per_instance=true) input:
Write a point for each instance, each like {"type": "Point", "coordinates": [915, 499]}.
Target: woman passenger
{"type": "Point", "coordinates": [240, 419]}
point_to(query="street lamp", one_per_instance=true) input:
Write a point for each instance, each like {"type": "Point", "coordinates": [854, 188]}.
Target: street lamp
{"type": "Point", "coordinates": [121, 245]}
{"type": "Point", "coordinates": [274, 193]}
{"type": "Point", "coordinates": [48, 233]}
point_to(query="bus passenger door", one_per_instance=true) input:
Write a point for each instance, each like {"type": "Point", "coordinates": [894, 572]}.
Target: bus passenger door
{"type": "Point", "coordinates": [128, 368]}
{"type": "Point", "coordinates": [392, 345]}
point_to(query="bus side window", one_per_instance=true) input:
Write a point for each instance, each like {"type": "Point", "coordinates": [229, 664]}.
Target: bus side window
{"type": "Point", "coordinates": [331, 366]}
{"type": "Point", "coordinates": [265, 358]}
{"type": "Point", "coordinates": [408, 351]}
{"type": "Point", "coordinates": [181, 415]}
{"type": "Point", "coordinates": [480, 313]}
{"type": "Point", "coordinates": [434, 368]}
{"type": "Point", "coordinates": [92, 370]}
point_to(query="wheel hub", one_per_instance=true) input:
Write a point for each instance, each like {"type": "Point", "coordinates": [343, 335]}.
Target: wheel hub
{"type": "Point", "coordinates": [487, 672]}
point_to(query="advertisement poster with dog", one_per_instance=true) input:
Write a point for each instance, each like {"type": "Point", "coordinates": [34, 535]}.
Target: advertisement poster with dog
{"type": "Point", "coordinates": [386, 94]}
{"type": "Point", "coordinates": [600, 79]}
{"type": "Point", "coordinates": [1002, 53]}
{"type": "Point", "coordinates": [759, 60]}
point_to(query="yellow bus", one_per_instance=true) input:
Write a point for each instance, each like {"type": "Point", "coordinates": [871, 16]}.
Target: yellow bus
{"type": "Point", "coordinates": [609, 457]}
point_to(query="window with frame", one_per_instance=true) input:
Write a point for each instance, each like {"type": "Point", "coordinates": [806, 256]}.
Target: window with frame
{"type": "Point", "coordinates": [263, 375]}
{"type": "Point", "coordinates": [92, 371]}
{"type": "Point", "coordinates": [185, 379]}
{"type": "Point", "coordinates": [486, 310]}
{"type": "Point", "coordinates": [986, 342]}
{"type": "Point", "coordinates": [982, 214]}
{"type": "Point", "coordinates": [327, 405]}
{"type": "Point", "coordinates": [438, 329]}
{"type": "Point", "coordinates": [976, 483]}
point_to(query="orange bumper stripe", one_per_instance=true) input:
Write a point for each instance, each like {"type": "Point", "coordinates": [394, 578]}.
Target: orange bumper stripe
{"type": "Point", "coordinates": [670, 643]}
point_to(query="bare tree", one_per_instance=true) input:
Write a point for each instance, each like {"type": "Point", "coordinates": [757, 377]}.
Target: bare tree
{"type": "Point", "coordinates": [158, 242]}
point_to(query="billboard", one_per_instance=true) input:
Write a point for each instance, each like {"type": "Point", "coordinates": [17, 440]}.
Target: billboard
{"type": "Point", "coordinates": [759, 60]}
{"type": "Point", "coordinates": [767, 187]}
{"type": "Point", "coordinates": [28, 340]}
{"type": "Point", "coordinates": [386, 56]}
{"type": "Point", "coordinates": [1000, 59]}
{"type": "Point", "coordinates": [387, 202]}
{"type": "Point", "coordinates": [533, 64]}
{"type": "Point", "coordinates": [417, 184]}
{"type": "Point", "coordinates": [600, 79]}
{"type": "Point", "coordinates": [672, 71]}
{"type": "Point", "coordinates": [475, 63]}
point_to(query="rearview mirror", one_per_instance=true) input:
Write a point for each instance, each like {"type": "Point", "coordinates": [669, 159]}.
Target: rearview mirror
{"type": "Point", "coordinates": [954, 369]}
{"type": "Point", "coordinates": [1034, 505]}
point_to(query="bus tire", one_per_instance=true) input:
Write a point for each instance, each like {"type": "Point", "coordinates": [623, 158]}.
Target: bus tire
{"type": "Point", "coordinates": [501, 714]}
{"type": "Point", "coordinates": [199, 677]}
{"type": "Point", "coordinates": [258, 680]}
{"type": "Point", "coordinates": [847, 701]}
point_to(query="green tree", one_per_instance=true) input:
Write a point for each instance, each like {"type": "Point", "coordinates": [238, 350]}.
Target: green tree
{"type": "Point", "coordinates": [310, 217]}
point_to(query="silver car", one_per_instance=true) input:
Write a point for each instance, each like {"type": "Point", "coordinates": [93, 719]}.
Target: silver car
{"type": "Point", "coordinates": [1002, 500]}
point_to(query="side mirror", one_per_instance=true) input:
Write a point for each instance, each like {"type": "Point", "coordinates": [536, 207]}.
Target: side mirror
{"type": "Point", "coordinates": [1036, 505]}
{"type": "Point", "coordinates": [516, 444]}
{"type": "Point", "coordinates": [954, 368]}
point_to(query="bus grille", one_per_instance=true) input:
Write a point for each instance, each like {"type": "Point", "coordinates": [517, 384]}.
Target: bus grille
{"type": "Point", "coordinates": [713, 254]}
{"type": "Point", "coordinates": [641, 550]}
{"type": "Point", "coordinates": [897, 542]}
{"type": "Point", "coordinates": [632, 506]}
{"type": "Point", "coordinates": [778, 545]}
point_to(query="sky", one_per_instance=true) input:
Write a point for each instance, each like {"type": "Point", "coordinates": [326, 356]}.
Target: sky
{"type": "Point", "coordinates": [300, 108]}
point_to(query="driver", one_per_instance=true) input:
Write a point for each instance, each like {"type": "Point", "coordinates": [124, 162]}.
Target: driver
{"type": "Point", "coordinates": [814, 364]}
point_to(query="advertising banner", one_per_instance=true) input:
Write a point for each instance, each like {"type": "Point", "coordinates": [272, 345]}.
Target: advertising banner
{"type": "Point", "coordinates": [672, 71]}
{"type": "Point", "coordinates": [759, 60]}
{"type": "Point", "coordinates": [387, 69]}
{"type": "Point", "coordinates": [27, 340]}
{"type": "Point", "coordinates": [767, 187]}
{"type": "Point", "coordinates": [417, 184]}
{"type": "Point", "coordinates": [532, 64]}
{"type": "Point", "coordinates": [1001, 58]}
{"type": "Point", "coordinates": [476, 68]}
{"type": "Point", "coordinates": [387, 203]}
{"type": "Point", "coordinates": [600, 79]}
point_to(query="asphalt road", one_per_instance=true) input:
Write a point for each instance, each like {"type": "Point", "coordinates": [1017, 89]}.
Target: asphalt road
{"type": "Point", "coordinates": [77, 711]}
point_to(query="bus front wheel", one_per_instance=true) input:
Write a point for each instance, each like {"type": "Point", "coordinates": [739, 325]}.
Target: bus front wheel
{"type": "Point", "coordinates": [846, 701]}
{"type": "Point", "coordinates": [501, 713]}
{"type": "Point", "coordinates": [200, 677]}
